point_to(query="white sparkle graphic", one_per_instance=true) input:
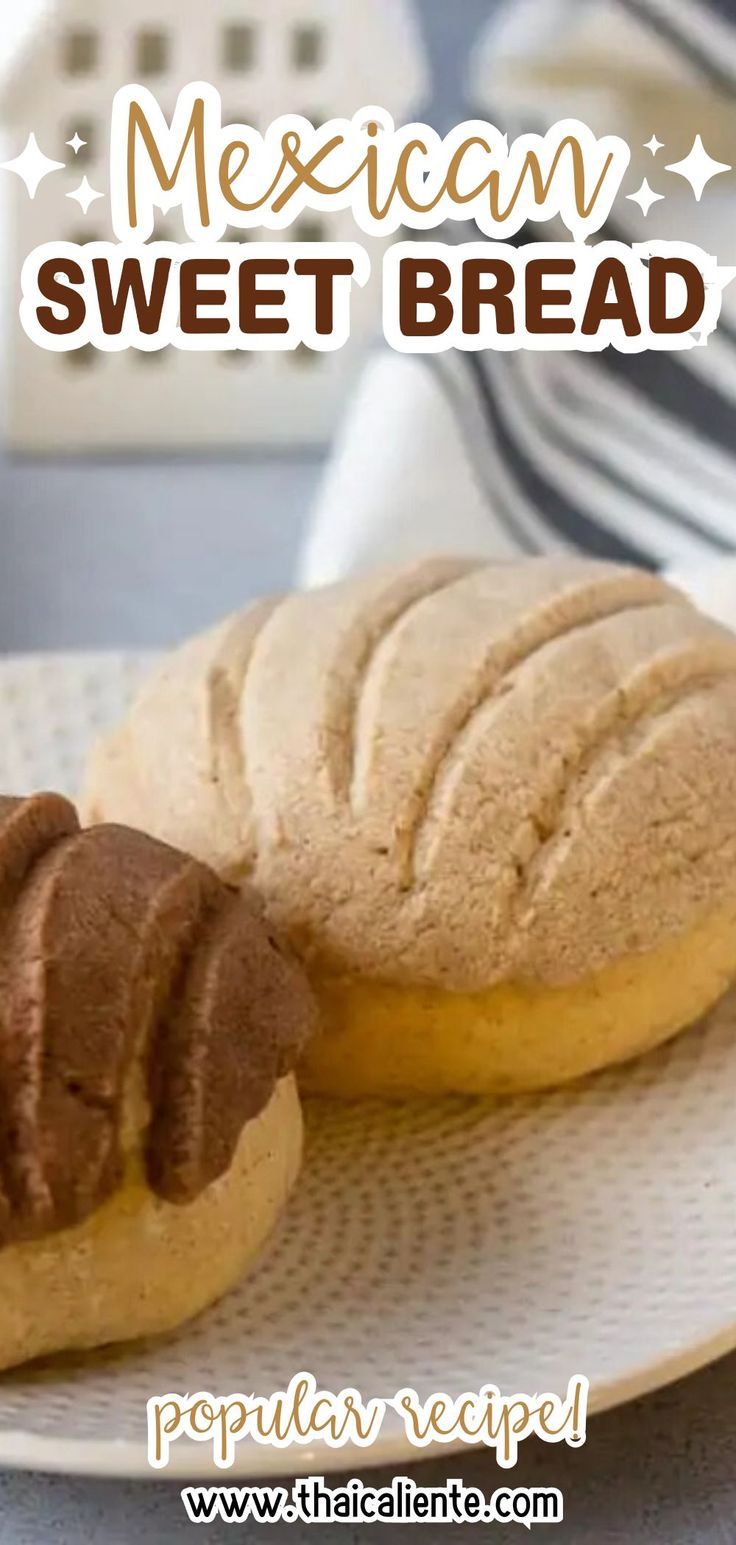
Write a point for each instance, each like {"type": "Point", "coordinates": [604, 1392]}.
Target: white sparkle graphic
{"type": "Point", "coordinates": [76, 144]}
{"type": "Point", "coordinates": [645, 197]}
{"type": "Point", "coordinates": [85, 195]}
{"type": "Point", "coordinates": [698, 167]}
{"type": "Point", "coordinates": [654, 144]}
{"type": "Point", "coordinates": [32, 166]}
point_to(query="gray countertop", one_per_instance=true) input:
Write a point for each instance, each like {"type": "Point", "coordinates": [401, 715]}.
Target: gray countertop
{"type": "Point", "coordinates": [106, 553]}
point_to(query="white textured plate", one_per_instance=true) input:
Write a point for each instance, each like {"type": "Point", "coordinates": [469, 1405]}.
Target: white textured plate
{"type": "Point", "coordinates": [441, 1246]}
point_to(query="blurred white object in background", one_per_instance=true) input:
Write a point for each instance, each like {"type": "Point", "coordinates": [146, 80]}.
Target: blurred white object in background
{"type": "Point", "coordinates": [400, 482]}
{"type": "Point", "coordinates": [622, 455]}
{"type": "Point", "coordinates": [608, 59]}
{"type": "Point", "coordinates": [712, 586]}
{"type": "Point", "coordinates": [323, 58]}
{"type": "Point", "coordinates": [634, 70]}
{"type": "Point", "coordinates": [16, 25]}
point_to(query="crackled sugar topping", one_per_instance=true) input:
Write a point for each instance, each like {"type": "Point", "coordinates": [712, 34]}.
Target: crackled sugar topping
{"type": "Point", "coordinates": [145, 1017]}
{"type": "Point", "coordinates": [453, 774]}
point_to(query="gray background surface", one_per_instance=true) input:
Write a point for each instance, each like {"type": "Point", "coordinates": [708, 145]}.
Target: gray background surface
{"type": "Point", "coordinates": [113, 553]}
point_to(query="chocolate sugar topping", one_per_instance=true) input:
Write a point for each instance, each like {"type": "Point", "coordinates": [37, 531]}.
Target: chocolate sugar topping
{"type": "Point", "coordinates": [145, 1014]}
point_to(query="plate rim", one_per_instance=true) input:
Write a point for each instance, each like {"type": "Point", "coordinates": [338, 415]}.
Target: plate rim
{"type": "Point", "coordinates": [127, 1459]}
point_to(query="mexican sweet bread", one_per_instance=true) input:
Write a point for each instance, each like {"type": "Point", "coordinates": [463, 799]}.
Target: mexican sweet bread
{"type": "Point", "coordinates": [493, 807]}
{"type": "Point", "coordinates": [150, 1127]}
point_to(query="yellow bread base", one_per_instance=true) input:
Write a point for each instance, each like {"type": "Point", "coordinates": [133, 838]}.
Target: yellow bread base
{"type": "Point", "coordinates": [140, 1266]}
{"type": "Point", "coordinates": [401, 1041]}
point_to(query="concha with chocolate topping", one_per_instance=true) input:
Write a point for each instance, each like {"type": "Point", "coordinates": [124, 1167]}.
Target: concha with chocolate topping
{"type": "Point", "coordinates": [493, 806]}
{"type": "Point", "coordinates": [150, 1127]}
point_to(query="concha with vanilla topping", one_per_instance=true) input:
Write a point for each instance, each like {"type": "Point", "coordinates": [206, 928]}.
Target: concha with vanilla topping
{"type": "Point", "coordinates": [493, 807]}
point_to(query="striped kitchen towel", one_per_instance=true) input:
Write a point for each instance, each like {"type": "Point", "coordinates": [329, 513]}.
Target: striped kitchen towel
{"type": "Point", "coordinates": [624, 456]}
